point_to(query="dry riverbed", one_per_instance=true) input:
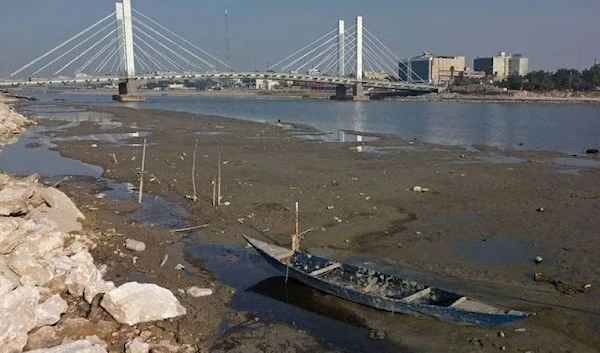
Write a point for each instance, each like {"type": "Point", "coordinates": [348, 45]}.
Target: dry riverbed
{"type": "Point", "coordinates": [477, 231]}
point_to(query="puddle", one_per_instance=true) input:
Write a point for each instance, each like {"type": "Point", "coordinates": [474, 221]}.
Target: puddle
{"type": "Point", "coordinates": [499, 252]}
{"type": "Point", "coordinates": [355, 136]}
{"type": "Point", "coordinates": [386, 150]}
{"type": "Point", "coordinates": [156, 211]}
{"type": "Point", "coordinates": [108, 138]}
{"type": "Point", "coordinates": [262, 290]}
{"type": "Point", "coordinates": [577, 162]}
{"type": "Point", "coordinates": [21, 160]}
{"type": "Point", "coordinates": [492, 158]}
{"type": "Point", "coordinates": [72, 115]}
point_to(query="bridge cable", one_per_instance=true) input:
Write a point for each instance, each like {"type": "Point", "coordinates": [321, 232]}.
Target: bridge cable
{"type": "Point", "coordinates": [63, 44]}
{"type": "Point", "coordinates": [160, 67]}
{"type": "Point", "coordinates": [161, 54]}
{"type": "Point", "coordinates": [85, 52]}
{"type": "Point", "coordinates": [178, 45]}
{"type": "Point", "coordinates": [75, 47]}
{"type": "Point", "coordinates": [96, 56]}
{"type": "Point", "coordinates": [185, 60]}
{"type": "Point", "coordinates": [107, 59]}
{"type": "Point", "coordinates": [286, 67]}
{"type": "Point", "coordinates": [183, 39]}
{"type": "Point", "coordinates": [299, 51]}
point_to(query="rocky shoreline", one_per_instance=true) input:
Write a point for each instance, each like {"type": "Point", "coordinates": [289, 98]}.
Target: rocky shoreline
{"type": "Point", "coordinates": [47, 273]}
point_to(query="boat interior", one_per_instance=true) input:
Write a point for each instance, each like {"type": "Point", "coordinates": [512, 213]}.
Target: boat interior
{"type": "Point", "coordinates": [384, 285]}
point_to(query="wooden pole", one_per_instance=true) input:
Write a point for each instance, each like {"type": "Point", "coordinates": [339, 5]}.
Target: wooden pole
{"type": "Point", "coordinates": [219, 183]}
{"type": "Point", "coordinates": [115, 158]}
{"type": "Point", "coordinates": [194, 171]}
{"type": "Point", "coordinates": [142, 173]}
{"type": "Point", "coordinates": [214, 184]}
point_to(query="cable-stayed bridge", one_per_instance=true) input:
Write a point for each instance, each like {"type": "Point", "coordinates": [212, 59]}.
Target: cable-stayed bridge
{"type": "Point", "coordinates": [128, 47]}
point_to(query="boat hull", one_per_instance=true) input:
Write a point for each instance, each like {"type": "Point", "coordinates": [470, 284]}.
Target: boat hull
{"type": "Point", "coordinates": [446, 314]}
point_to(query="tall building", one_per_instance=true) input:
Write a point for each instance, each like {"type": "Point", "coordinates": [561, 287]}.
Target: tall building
{"type": "Point", "coordinates": [502, 65]}
{"type": "Point", "coordinates": [433, 69]}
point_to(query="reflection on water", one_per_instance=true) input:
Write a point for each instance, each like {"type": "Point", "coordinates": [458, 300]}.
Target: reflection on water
{"type": "Point", "coordinates": [565, 128]}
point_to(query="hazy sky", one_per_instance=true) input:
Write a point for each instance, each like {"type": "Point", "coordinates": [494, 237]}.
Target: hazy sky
{"type": "Point", "coordinates": [552, 33]}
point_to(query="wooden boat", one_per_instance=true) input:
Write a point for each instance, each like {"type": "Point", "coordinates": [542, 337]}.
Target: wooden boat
{"type": "Point", "coordinates": [382, 291]}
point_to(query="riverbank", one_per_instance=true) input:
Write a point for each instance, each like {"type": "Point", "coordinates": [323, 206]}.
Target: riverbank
{"type": "Point", "coordinates": [476, 232]}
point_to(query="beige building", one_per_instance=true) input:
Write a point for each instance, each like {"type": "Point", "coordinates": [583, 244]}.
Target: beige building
{"type": "Point", "coordinates": [433, 69]}
{"type": "Point", "coordinates": [502, 65]}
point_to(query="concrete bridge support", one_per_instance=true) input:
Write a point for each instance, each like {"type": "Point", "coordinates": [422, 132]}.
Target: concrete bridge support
{"type": "Point", "coordinates": [128, 89]}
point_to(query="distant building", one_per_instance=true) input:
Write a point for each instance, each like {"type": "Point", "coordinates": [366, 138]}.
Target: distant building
{"type": "Point", "coordinates": [499, 67]}
{"type": "Point", "coordinates": [266, 85]}
{"type": "Point", "coordinates": [375, 75]}
{"type": "Point", "coordinates": [433, 69]}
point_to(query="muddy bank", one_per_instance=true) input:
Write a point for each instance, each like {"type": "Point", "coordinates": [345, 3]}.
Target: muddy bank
{"type": "Point", "coordinates": [476, 232]}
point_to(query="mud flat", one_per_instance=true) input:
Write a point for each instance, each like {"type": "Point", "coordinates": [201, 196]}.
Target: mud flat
{"type": "Point", "coordinates": [487, 215]}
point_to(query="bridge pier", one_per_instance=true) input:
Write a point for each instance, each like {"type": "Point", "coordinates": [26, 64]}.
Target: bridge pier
{"type": "Point", "coordinates": [128, 92]}
{"type": "Point", "coordinates": [358, 93]}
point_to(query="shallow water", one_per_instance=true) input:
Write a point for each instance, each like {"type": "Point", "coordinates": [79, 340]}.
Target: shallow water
{"type": "Point", "coordinates": [568, 128]}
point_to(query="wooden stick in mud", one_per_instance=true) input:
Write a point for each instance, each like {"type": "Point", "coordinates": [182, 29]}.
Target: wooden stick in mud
{"type": "Point", "coordinates": [142, 173]}
{"type": "Point", "coordinates": [214, 184]}
{"type": "Point", "coordinates": [219, 183]}
{"type": "Point", "coordinates": [115, 158]}
{"type": "Point", "coordinates": [189, 228]}
{"type": "Point", "coordinates": [194, 171]}
{"type": "Point", "coordinates": [296, 235]}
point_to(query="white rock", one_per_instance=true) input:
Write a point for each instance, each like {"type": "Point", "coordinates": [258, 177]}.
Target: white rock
{"type": "Point", "coordinates": [137, 346]}
{"type": "Point", "coordinates": [61, 265]}
{"type": "Point", "coordinates": [6, 271]}
{"type": "Point", "coordinates": [97, 287]}
{"type": "Point", "coordinates": [82, 346]}
{"type": "Point", "coordinates": [135, 245]}
{"type": "Point", "coordinates": [133, 303]}
{"type": "Point", "coordinates": [9, 236]}
{"type": "Point", "coordinates": [13, 199]}
{"type": "Point", "coordinates": [538, 259]}
{"type": "Point", "coordinates": [49, 312]}
{"type": "Point", "coordinates": [417, 189]}
{"type": "Point", "coordinates": [17, 317]}
{"type": "Point", "coordinates": [13, 334]}
{"type": "Point", "coordinates": [7, 285]}
{"type": "Point", "coordinates": [197, 292]}
{"type": "Point", "coordinates": [32, 271]}
{"type": "Point", "coordinates": [60, 209]}
{"type": "Point", "coordinates": [83, 272]}
{"type": "Point", "coordinates": [40, 244]}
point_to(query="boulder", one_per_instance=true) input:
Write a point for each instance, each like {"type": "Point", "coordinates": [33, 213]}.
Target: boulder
{"type": "Point", "coordinates": [45, 336]}
{"type": "Point", "coordinates": [81, 346]}
{"type": "Point", "coordinates": [137, 346]}
{"type": "Point", "coordinates": [133, 303]}
{"type": "Point", "coordinates": [32, 271]}
{"type": "Point", "coordinates": [13, 199]}
{"type": "Point", "coordinates": [17, 318]}
{"type": "Point", "coordinates": [40, 244]}
{"type": "Point", "coordinates": [7, 272]}
{"type": "Point", "coordinates": [83, 272]}
{"type": "Point", "coordinates": [49, 312]}
{"type": "Point", "coordinates": [59, 208]}
{"type": "Point", "coordinates": [9, 235]}
{"type": "Point", "coordinates": [94, 288]}
{"type": "Point", "coordinates": [7, 285]}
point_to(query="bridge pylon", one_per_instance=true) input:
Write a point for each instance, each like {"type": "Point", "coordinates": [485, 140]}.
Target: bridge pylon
{"type": "Point", "coordinates": [128, 91]}
{"type": "Point", "coordinates": [358, 90]}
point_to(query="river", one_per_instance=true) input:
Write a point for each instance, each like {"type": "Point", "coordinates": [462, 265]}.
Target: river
{"type": "Point", "coordinates": [567, 128]}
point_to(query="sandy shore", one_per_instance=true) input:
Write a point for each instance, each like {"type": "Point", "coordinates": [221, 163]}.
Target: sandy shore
{"type": "Point", "coordinates": [476, 232]}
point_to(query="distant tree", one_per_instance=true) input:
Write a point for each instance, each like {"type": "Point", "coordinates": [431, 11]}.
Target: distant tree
{"type": "Point", "coordinates": [539, 80]}
{"type": "Point", "coordinates": [591, 77]}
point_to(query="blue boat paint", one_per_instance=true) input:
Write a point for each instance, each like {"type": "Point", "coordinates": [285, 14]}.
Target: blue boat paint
{"type": "Point", "coordinates": [309, 263]}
